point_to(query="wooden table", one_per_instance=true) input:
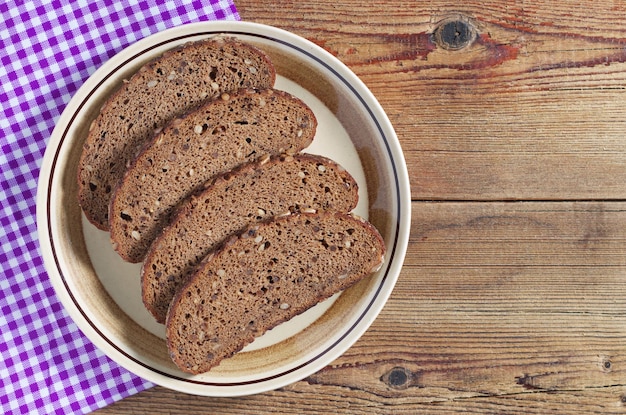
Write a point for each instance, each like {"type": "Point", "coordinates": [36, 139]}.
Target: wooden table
{"type": "Point", "coordinates": [512, 299]}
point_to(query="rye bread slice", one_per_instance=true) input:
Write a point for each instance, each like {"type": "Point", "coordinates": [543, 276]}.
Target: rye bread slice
{"type": "Point", "coordinates": [191, 150]}
{"type": "Point", "coordinates": [249, 194]}
{"type": "Point", "coordinates": [271, 273]}
{"type": "Point", "coordinates": [180, 80]}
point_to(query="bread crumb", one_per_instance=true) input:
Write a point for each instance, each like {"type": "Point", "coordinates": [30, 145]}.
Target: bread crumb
{"type": "Point", "coordinates": [264, 159]}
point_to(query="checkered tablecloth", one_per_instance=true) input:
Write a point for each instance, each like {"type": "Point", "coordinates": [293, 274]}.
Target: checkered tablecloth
{"type": "Point", "coordinates": [48, 48]}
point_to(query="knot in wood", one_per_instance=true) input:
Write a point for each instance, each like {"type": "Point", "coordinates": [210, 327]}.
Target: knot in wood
{"type": "Point", "coordinates": [605, 363]}
{"type": "Point", "coordinates": [397, 378]}
{"type": "Point", "coordinates": [454, 33]}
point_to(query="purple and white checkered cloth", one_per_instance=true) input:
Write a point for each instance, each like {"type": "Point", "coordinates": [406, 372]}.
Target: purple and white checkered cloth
{"type": "Point", "coordinates": [48, 48]}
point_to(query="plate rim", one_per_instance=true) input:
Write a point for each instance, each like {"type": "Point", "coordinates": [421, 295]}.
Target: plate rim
{"type": "Point", "coordinates": [395, 256]}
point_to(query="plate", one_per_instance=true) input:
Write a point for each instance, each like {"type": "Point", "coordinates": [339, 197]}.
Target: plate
{"type": "Point", "coordinates": [102, 293]}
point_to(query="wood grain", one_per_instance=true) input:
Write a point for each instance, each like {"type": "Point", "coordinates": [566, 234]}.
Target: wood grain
{"type": "Point", "coordinates": [531, 110]}
{"type": "Point", "coordinates": [512, 297]}
{"type": "Point", "coordinates": [510, 307]}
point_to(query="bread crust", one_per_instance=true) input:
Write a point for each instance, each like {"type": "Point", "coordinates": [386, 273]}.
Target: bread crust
{"type": "Point", "coordinates": [164, 88]}
{"type": "Point", "coordinates": [217, 137]}
{"type": "Point", "coordinates": [250, 193]}
{"type": "Point", "coordinates": [264, 276]}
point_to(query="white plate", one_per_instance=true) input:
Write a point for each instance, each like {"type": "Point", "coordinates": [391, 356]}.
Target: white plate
{"type": "Point", "coordinates": [102, 293]}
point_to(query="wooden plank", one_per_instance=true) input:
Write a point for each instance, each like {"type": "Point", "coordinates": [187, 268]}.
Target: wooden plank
{"type": "Point", "coordinates": [500, 308]}
{"type": "Point", "coordinates": [548, 234]}
{"type": "Point", "coordinates": [504, 298]}
{"type": "Point", "coordinates": [533, 109]}
{"type": "Point", "coordinates": [310, 399]}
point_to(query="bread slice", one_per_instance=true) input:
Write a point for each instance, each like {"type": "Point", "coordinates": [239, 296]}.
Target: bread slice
{"type": "Point", "coordinates": [269, 274]}
{"type": "Point", "coordinates": [165, 88]}
{"type": "Point", "coordinates": [191, 150]}
{"type": "Point", "coordinates": [249, 194]}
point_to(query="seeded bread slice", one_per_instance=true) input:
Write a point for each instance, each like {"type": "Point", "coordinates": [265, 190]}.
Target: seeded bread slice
{"type": "Point", "coordinates": [271, 273]}
{"type": "Point", "coordinates": [165, 88]}
{"type": "Point", "coordinates": [212, 140]}
{"type": "Point", "coordinates": [249, 194]}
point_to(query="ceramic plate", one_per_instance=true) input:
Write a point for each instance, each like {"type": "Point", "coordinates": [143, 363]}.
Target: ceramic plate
{"type": "Point", "coordinates": [102, 293]}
